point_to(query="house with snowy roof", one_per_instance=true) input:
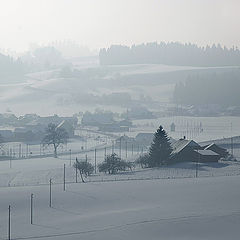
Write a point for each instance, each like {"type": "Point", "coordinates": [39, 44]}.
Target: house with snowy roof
{"type": "Point", "coordinates": [185, 150]}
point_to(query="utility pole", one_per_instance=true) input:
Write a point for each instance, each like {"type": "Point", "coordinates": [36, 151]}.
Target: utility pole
{"type": "Point", "coordinates": [198, 160]}
{"type": "Point", "coordinates": [112, 147]}
{"type": "Point", "coordinates": [9, 222]}
{"type": "Point", "coordinates": [120, 146]}
{"type": "Point", "coordinates": [19, 151]}
{"type": "Point", "coordinates": [76, 171]}
{"type": "Point", "coordinates": [27, 151]}
{"type": "Point", "coordinates": [86, 158]}
{"type": "Point", "coordinates": [10, 159]}
{"type": "Point", "coordinates": [31, 209]}
{"type": "Point", "coordinates": [105, 152]}
{"type": "Point", "coordinates": [126, 150]}
{"type": "Point", "coordinates": [64, 177]}
{"type": "Point", "coordinates": [196, 168]}
{"type": "Point", "coordinates": [70, 156]}
{"type": "Point", "coordinates": [231, 141]}
{"type": "Point", "coordinates": [50, 193]}
{"type": "Point", "coordinates": [132, 149]}
{"type": "Point", "coordinates": [95, 158]}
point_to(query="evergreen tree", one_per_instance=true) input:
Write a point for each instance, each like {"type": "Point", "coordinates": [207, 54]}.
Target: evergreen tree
{"type": "Point", "coordinates": [160, 149]}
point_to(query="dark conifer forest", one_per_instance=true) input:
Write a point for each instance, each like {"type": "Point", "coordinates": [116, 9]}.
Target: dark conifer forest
{"type": "Point", "coordinates": [173, 53]}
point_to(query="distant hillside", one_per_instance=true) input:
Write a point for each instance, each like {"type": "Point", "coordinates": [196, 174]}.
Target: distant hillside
{"type": "Point", "coordinates": [10, 69]}
{"type": "Point", "coordinates": [209, 88]}
{"type": "Point", "coordinates": [173, 53]}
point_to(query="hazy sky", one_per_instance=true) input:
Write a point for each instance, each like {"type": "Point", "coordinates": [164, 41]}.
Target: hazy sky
{"type": "Point", "coordinates": [100, 23]}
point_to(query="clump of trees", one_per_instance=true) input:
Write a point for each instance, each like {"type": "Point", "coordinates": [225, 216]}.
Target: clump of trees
{"type": "Point", "coordinates": [159, 152]}
{"type": "Point", "coordinates": [113, 164]}
{"type": "Point", "coordinates": [84, 168]}
{"type": "Point", "coordinates": [55, 136]}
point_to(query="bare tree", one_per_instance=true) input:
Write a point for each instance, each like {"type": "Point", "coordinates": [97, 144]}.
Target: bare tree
{"type": "Point", "coordinates": [55, 136]}
{"type": "Point", "coordinates": [85, 168]}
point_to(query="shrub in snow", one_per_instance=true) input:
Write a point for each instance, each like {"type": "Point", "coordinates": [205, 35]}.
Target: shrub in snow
{"type": "Point", "coordinates": [113, 164]}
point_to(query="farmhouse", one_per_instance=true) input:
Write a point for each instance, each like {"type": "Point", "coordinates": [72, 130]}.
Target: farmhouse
{"type": "Point", "coordinates": [189, 151]}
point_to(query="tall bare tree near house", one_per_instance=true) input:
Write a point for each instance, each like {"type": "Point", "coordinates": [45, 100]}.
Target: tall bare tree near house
{"type": "Point", "coordinates": [55, 136]}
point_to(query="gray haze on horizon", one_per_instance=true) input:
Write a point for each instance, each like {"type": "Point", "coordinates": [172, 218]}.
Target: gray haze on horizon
{"type": "Point", "coordinates": [97, 24]}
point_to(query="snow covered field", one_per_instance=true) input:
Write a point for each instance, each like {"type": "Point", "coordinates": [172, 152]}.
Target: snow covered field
{"type": "Point", "coordinates": [203, 208]}
{"type": "Point", "coordinates": [165, 203]}
{"type": "Point", "coordinates": [39, 170]}
{"type": "Point", "coordinates": [213, 127]}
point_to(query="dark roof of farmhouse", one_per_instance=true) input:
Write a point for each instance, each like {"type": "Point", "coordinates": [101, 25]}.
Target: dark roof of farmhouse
{"type": "Point", "coordinates": [179, 145]}
{"type": "Point", "coordinates": [208, 147]}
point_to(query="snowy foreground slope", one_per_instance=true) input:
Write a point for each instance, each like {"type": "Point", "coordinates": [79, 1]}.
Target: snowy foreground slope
{"type": "Point", "coordinates": [203, 208]}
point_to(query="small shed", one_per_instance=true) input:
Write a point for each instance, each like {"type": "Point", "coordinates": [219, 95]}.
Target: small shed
{"type": "Point", "coordinates": [219, 150]}
{"type": "Point", "coordinates": [204, 156]}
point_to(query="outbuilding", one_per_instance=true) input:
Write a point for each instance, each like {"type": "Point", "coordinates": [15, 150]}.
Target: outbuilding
{"type": "Point", "coordinates": [205, 156]}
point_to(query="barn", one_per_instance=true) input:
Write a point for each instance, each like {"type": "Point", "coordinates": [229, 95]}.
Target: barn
{"type": "Point", "coordinates": [215, 148]}
{"type": "Point", "coordinates": [205, 156]}
{"type": "Point", "coordinates": [185, 150]}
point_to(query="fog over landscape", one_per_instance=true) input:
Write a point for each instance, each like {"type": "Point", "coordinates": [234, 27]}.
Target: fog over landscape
{"type": "Point", "coordinates": [119, 119]}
